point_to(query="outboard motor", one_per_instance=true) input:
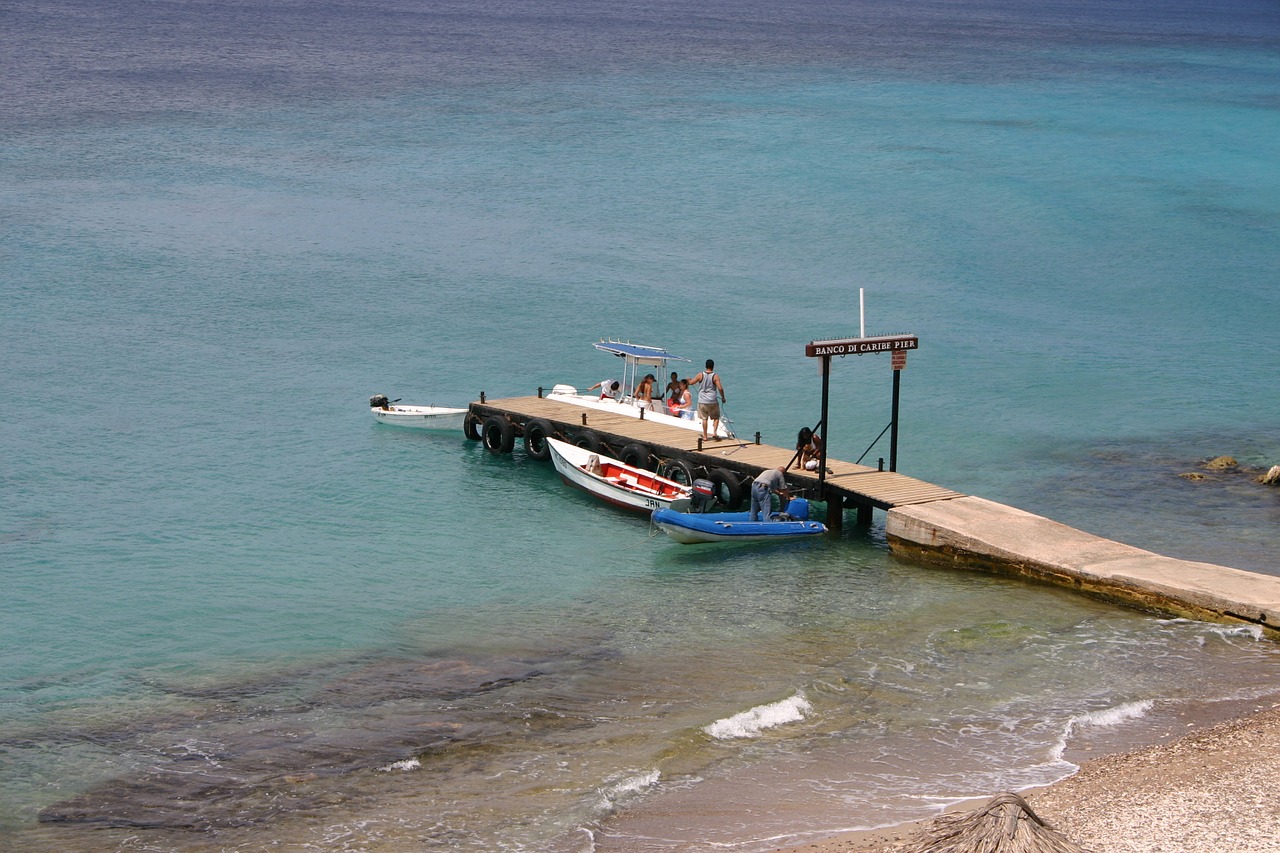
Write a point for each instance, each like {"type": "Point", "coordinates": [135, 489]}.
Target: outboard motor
{"type": "Point", "coordinates": [703, 497]}
{"type": "Point", "coordinates": [379, 401]}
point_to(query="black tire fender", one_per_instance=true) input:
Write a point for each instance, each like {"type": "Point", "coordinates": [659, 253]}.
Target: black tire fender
{"type": "Point", "coordinates": [471, 427]}
{"type": "Point", "coordinates": [587, 440]}
{"type": "Point", "coordinates": [728, 488]}
{"type": "Point", "coordinates": [536, 433]}
{"type": "Point", "coordinates": [681, 471]}
{"type": "Point", "coordinates": [498, 434]}
{"type": "Point", "coordinates": [637, 456]}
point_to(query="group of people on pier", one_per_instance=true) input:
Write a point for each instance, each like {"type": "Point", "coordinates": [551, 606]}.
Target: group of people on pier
{"type": "Point", "coordinates": [677, 398]}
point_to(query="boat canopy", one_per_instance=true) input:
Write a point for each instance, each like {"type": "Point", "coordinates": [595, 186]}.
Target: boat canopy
{"type": "Point", "coordinates": [638, 353]}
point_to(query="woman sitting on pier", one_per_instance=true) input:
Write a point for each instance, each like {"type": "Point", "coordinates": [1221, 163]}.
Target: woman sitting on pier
{"type": "Point", "coordinates": [809, 445]}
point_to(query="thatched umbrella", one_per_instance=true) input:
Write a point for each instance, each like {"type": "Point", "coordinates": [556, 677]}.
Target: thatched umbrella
{"type": "Point", "coordinates": [1006, 824]}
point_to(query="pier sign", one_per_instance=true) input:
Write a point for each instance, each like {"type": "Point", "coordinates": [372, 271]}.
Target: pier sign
{"type": "Point", "coordinates": [859, 346]}
{"type": "Point", "coordinates": [895, 345]}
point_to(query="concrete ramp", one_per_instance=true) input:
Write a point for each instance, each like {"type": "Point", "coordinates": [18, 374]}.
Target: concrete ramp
{"type": "Point", "coordinates": [974, 533]}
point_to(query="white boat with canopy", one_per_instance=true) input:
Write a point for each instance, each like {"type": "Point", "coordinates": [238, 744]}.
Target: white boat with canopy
{"type": "Point", "coordinates": [635, 357]}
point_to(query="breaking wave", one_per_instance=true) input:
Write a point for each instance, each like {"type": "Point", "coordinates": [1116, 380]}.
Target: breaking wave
{"type": "Point", "coordinates": [612, 794]}
{"type": "Point", "coordinates": [752, 722]}
{"type": "Point", "coordinates": [1104, 718]}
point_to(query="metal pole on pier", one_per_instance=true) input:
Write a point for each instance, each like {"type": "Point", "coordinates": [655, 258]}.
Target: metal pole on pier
{"type": "Point", "coordinates": [822, 429]}
{"type": "Point", "coordinates": [835, 502]}
{"type": "Point", "coordinates": [893, 432]}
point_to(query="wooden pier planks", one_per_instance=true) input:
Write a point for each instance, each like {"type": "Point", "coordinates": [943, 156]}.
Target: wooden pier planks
{"type": "Point", "coordinates": [858, 484]}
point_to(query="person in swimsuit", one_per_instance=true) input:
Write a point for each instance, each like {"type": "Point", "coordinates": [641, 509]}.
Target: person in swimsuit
{"type": "Point", "coordinates": [809, 443]}
{"type": "Point", "coordinates": [673, 387]}
{"type": "Point", "coordinates": [683, 407]}
{"type": "Point", "coordinates": [644, 394]}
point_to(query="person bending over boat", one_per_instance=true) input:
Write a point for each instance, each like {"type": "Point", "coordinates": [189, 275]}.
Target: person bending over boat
{"type": "Point", "coordinates": [610, 388]}
{"type": "Point", "coordinates": [762, 490]}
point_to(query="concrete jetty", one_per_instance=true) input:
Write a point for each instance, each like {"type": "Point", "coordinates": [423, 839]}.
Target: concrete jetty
{"type": "Point", "coordinates": [975, 533]}
{"type": "Point", "coordinates": [923, 522]}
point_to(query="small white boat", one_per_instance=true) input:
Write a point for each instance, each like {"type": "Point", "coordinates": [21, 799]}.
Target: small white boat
{"type": "Point", "coordinates": [612, 481]}
{"type": "Point", "coordinates": [635, 356]}
{"type": "Point", "coordinates": [417, 417]}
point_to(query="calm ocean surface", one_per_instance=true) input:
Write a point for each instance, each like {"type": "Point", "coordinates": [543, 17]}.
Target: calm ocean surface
{"type": "Point", "coordinates": [237, 614]}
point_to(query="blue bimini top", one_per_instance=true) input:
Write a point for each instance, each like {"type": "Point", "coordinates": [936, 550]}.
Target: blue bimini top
{"type": "Point", "coordinates": [638, 353]}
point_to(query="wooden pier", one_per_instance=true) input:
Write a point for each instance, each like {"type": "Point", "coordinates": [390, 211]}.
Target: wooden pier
{"type": "Point", "coordinates": [730, 464]}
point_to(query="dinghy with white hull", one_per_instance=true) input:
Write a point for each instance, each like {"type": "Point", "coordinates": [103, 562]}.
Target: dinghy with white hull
{"type": "Point", "coordinates": [415, 417]}
{"type": "Point", "coordinates": [615, 482]}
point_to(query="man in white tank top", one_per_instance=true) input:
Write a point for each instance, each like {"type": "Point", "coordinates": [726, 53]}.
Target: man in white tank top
{"type": "Point", "coordinates": [708, 405]}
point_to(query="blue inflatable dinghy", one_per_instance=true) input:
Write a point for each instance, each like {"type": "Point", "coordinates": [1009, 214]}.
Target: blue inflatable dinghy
{"type": "Point", "coordinates": [691, 528]}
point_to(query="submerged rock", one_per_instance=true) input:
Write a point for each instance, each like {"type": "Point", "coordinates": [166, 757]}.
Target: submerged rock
{"type": "Point", "coordinates": [254, 778]}
{"type": "Point", "coordinates": [390, 680]}
{"type": "Point", "coordinates": [250, 765]}
{"type": "Point", "coordinates": [1222, 463]}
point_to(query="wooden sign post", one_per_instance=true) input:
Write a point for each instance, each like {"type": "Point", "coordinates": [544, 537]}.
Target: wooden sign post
{"type": "Point", "coordinates": [897, 345]}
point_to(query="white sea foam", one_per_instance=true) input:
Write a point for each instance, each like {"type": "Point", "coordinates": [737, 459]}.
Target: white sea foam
{"type": "Point", "coordinates": [752, 722]}
{"type": "Point", "coordinates": [405, 764]}
{"type": "Point", "coordinates": [623, 788]}
{"type": "Point", "coordinates": [1104, 718]}
{"type": "Point", "coordinates": [1251, 631]}
{"type": "Point", "coordinates": [1114, 716]}
{"type": "Point", "coordinates": [193, 747]}
{"type": "Point", "coordinates": [634, 783]}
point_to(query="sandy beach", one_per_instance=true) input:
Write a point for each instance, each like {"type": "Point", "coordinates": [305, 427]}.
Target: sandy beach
{"type": "Point", "coordinates": [1211, 791]}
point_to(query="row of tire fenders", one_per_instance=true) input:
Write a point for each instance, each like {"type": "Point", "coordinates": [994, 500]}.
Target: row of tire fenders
{"type": "Point", "coordinates": [499, 434]}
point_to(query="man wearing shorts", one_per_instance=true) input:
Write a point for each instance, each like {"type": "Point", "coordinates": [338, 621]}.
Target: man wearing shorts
{"type": "Point", "coordinates": [708, 405]}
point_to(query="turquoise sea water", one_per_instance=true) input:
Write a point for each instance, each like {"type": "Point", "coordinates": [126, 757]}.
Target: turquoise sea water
{"type": "Point", "coordinates": [237, 613]}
